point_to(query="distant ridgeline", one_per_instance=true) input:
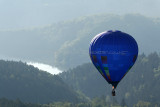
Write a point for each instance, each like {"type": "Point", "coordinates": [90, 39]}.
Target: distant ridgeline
{"type": "Point", "coordinates": [21, 81]}
{"type": "Point", "coordinates": [74, 37]}
{"type": "Point", "coordinates": [140, 84]}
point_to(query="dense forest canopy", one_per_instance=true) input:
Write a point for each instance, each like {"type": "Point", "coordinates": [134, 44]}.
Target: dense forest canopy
{"type": "Point", "coordinates": [140, 87]}
{"type": "Point", "coordinates": [29, 84]}
{"type": "Point", "coordinates": [140, 84]}
{"type": "Point", "coordinates": [95, 102]}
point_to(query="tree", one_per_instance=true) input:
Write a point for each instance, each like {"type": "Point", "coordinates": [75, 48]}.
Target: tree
{"type": "Point", "coordinates": [123, 103]}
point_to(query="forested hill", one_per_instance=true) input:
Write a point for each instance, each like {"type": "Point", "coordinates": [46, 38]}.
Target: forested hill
{"type": "Point", "coordinates": [22, 81]}
{"type": "Point", "coordinates": [65, 44]}
{"type": "Point", "coordinates": [140, 84]}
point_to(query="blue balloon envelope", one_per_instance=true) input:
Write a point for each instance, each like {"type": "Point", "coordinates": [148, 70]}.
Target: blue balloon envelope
{"type": "Point", "coordinates": [113, 53]}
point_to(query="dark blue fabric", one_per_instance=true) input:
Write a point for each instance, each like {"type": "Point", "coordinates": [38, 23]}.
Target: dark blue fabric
{"type": "Point", "coordinates": [121, 51]}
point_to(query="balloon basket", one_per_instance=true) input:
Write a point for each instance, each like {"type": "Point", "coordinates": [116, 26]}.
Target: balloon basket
{"type": "Point", "coordinates": [113, 91]}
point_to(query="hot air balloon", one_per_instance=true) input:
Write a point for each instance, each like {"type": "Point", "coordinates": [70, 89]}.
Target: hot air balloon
{"type": "Point", "coordinates": [113, 53]}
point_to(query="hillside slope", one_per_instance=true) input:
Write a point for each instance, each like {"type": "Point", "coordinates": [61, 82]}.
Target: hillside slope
{"type": "Point", "coordinates": [19, 80]}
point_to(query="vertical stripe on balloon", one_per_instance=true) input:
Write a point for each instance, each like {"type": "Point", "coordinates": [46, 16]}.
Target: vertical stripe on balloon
{"type": "Point", "coordinates": [107, 72]}
{"type": "Point", "coordinates": [104, 59]}
{"type": "Point", "coordinates": [105, 66]}
{"type": "Point", "coordinates": [97, 65]}
{"type": "Point", "coordinates": [99, 69]}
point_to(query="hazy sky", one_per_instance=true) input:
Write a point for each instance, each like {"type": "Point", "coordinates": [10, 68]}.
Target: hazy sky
{"type": "Point", "coordinates": [30, 13]}
{"type": "Point", "coordinates": [17, 14]}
